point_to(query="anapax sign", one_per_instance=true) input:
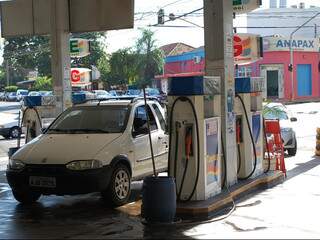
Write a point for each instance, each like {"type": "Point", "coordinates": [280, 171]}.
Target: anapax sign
{"type": "Point", "coordinates": [80, 76]}
{"type": "Point", "coordinates": [247, 48]}
{"type": "Point", "coordinates": [284, 44]}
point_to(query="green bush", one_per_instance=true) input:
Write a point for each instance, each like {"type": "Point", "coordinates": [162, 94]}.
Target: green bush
{"type": "Point", "coordinates": [11, 88]}
{"type": "Point", "coordinates": [42, 84]}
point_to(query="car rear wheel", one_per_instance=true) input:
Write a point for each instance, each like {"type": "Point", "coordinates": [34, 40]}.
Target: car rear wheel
{"type": "Point", "coordinates": [293, 151]}
{"type": "Point", "coordinates": [15, 132]}
{"type": "Point", "coordinates": [27, 197]}
{"type": "Point", "coordinates": [119, 189]}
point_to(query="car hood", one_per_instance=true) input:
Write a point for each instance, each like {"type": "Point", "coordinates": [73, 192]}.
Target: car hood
{"type": "Point", "coordinates": [285, 124]}
{"type": "Point", "coordinates": [63, 148]}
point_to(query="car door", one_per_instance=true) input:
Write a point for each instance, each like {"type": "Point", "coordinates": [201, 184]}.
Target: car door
{"type": "Point", "coordinates": [162, 144]}
{"type": "Point", "coordinates": [140, 139]}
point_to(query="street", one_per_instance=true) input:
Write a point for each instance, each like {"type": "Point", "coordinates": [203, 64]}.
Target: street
{"type": "Point", "coordinates": [289, 210]}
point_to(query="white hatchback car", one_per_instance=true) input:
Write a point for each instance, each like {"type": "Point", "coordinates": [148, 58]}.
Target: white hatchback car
{"type": "Point", "coordinates": [92, 147]}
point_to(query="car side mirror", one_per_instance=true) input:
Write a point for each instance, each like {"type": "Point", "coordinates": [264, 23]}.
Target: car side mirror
{"type": "Point", "coordinates": [293, 119]}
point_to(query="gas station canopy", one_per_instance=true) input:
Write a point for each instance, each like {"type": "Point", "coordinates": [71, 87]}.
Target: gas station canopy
{"type": "Point", "coordinates": [32, 17]}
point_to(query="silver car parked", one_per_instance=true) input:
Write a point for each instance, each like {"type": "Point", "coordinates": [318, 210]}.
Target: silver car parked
{"type": "Point", "coordinates": [281, 112]}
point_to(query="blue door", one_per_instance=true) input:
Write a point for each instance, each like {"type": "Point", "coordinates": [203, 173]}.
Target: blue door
{"type": "Point", "coordinates": [304, 80]}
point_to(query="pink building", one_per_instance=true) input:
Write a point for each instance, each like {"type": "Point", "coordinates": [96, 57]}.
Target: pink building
{"type": "Point", "coordinates": [274, 66]}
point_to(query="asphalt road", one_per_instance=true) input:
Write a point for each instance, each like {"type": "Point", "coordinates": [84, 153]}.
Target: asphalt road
{"type": "Point", "coordinates": [289, 210]}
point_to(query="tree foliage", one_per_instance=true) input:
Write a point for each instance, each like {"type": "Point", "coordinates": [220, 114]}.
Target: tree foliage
{"type": "Point", "coordinates": [150, 58]}
{"type": "Point", "coordinates": [137, 65]}
{"type": "Point", "coordinates": [43, 84]}
{"type": "Point", "coordinates": [123, 67]}
{"type": "Point", "coordinates": [24, 54]}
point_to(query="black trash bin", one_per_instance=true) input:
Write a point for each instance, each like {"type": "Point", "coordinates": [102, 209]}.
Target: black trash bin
{"type": "Point", "coordinates": [159, 199]}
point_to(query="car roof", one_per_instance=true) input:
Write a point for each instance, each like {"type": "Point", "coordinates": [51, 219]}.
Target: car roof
{"type": "Point", "coordinates": [114, 102]}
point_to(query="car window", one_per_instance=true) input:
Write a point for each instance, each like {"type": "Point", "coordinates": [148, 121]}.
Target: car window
{"type": "Point", "coordinates": [88, 119]}
{"type": "Point", "coordinates": [160, 117]}
{"type": "Point", "coordinates": [140, 121]}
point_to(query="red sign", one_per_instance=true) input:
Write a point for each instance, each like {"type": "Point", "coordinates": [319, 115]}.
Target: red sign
{"type": "Point", "coordinates": [237, 46]}
{"type": "Point", "coordinates": [75, 76]}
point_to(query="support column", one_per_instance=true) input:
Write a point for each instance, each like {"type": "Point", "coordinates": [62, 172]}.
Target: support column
{"type": "Point", "coordinates": [218, 23]}
{"type": "Point", "coordinates": [60, 59]}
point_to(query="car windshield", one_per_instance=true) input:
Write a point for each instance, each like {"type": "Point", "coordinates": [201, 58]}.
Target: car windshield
{"type": "Point", "coordinates": [281, 115]}
{"type": "Point", "coordinates": [91, 119]}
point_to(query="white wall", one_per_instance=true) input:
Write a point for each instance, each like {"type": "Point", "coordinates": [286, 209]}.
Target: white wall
{"type": "Point", "coordinates": [283, 17]}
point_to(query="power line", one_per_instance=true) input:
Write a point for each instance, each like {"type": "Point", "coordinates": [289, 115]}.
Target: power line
{"type": "Point", "coordinates": [178, 17]}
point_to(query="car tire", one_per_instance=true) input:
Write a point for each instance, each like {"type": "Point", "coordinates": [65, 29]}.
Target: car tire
{"type": "Point", "coordinates": [119, 189]}
{"type": "Point", "coordinates": [293, 151]}
{"type": "Point", "coordinates": [27, 197]}
{"type": "Point", "coordinates": [15, 132]}
{"type": "Point", "coordinates": [6, 136]}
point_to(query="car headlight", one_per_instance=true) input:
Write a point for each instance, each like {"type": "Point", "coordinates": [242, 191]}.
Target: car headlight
{"type": "Point", "coordinates": [286, 129]}
{"type": "Point", "coordinates": [16, 164]}
{"type": "Point", "coordinates": [84, 165]}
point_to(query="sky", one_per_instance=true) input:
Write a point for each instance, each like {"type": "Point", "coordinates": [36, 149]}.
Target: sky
{"type": "Point", "coordinates": [145, 15]}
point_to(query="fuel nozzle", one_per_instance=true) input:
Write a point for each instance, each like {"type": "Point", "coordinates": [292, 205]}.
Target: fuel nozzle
{"type": "Point", "coordinates": [188, 142]}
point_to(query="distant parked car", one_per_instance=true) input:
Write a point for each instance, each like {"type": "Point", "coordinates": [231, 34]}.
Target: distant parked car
{"type": "Point", "coordinates": [2, 96]}
{"type": "Point", "coordinates": [113, 93]}
{"type": "Point", "coordinates": [12, 97]}
{"type": "Point", "coordinates": [281, 112]}
{"type": "Point", "coordinates": [133, 92]}
{"type": "Point", "coordinates": [89, 95]}
{"type": "Point", "coordinates": [100, 94]}
{"type": "Point", "coordinates": [21, 93]}
{"type": "Point", "coordinates": [9, 125]}
{"type": "Point", "coordinates": [154, 92]}
{"type": "Point", "coordinates": [34, 93]}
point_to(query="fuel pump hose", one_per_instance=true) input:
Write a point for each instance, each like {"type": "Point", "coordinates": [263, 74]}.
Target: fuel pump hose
{"type": "Point", "coordinates": [185, 99]}
{"type": "Point", "coordinates": [252, 140]}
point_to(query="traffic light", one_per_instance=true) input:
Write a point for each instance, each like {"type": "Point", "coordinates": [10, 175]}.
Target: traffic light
{"type": "Point", "coordinates": [161, 16]}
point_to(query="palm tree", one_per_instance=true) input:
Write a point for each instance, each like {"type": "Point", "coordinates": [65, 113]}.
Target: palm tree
{"type": "Point", "coordinates": [150, 58]}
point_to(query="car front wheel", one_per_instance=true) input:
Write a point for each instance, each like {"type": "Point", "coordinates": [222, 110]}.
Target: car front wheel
{"type": "Point", "coordinates": [119, 189]}
{"type": "Point", "coordinates": [15, 132]}
{"type": "Point", "coordinates": [26, 197]}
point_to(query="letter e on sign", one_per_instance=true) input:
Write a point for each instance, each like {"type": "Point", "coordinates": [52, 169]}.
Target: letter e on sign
{"type": "Point", "coordinates": [75, 76]}
{"type": "Point", "coordinates": [237, 46]}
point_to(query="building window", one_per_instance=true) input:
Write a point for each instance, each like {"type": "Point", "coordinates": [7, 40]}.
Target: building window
{"type": "Point", "coordinates": [244, 71]}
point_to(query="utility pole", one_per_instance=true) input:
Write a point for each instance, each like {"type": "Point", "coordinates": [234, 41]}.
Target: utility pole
{"type": "Point", "coordinates": [8, 72]}
{"type": "Point", "coordinates": [291, 68]}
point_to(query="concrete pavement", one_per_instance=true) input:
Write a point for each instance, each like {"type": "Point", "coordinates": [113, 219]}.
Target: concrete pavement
{"type": "Point", "coordinates": [289, 210]}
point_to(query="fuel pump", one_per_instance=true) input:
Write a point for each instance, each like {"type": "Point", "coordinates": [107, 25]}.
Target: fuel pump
{"type": "Point", "coordinates": [38, 111]}
{"type": "Point", "coordinates": [194, 155]}
{"type": "Point", "coordinates": [249, 126]}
